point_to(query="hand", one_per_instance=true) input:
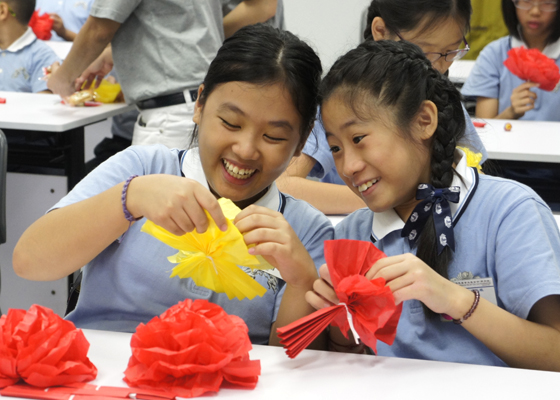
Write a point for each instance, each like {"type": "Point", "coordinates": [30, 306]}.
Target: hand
{"type": "Point", "coordinates": [58, 25]}
{"type": "Point", "coordinates": [96, 71]}
{"type": "Point", "coordinates": [523, 99]}
{"type": "Point", "coordinates": [323, 294]}
{"type": "Point", "coordinates": [277, 242]}
{"type": "Point", "coordinates": [408, 277]}
{"type": "Point", "coordinates": [176, 204]}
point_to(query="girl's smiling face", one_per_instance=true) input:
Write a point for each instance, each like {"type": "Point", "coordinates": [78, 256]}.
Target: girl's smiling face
{"type": "Point", "coordinates": [380, 165]}
{"type": "Point", "coordinates": [248, 134]}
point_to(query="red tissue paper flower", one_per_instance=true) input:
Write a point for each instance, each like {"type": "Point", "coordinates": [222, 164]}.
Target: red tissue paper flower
{"type": "Point", "coordinates": [531, 65]}
{"type": "Point", "coordinates": [41, 25]}
{"type": "Point", "coordinates": [191, 349]}
{"type": "Point", "coordinates": [42, 349]}
{"type": "Point", "coordinates": [369, 303]}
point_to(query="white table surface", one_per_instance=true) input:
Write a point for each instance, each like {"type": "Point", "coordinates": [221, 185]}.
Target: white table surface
{"type": "Point", "coordinates": [535, 141]}
{"type": "Point", "coordinates": [326, 375]}
{"type": "Point", "coordinates": [60, 48]}
{"type": "Point", "coordinates": [460, 70]}
{"type": "Point", "coordinates": [45, 112]}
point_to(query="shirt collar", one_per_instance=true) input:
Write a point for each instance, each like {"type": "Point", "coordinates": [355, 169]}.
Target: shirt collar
{"type": "Point", "coordinates": [23, 41]}
{"type": "Point", "coordinates": [552, 50]}
{"type": "Point", "coordinates": [466, 178]}
{"type": "Point", "coordinates": [191, 167]}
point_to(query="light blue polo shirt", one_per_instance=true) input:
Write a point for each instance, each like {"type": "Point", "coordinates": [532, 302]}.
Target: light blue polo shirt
{"type": "Point", "coordinates": [73, 13]}
{"type": "Point", "coordinates": [128, 282]}
{"type": "Point", "coordinates": [21, 64]}
{"type": "Point", "coordinates": [324, 169]}
{"type": "Point", "coordinates": [503, 230]}
{"type": "Point", "coordinates": [491, 78]}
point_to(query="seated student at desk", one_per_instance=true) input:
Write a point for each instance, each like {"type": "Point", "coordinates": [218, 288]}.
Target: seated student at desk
{"type": "Point", "coordinates": [502, 95]}
{"type": "Point", "coordinates": [443, 42]}
{"type": "Point", "coordinates": [22, 55]}
{"type": "Point", "coordinates": [68, 16]}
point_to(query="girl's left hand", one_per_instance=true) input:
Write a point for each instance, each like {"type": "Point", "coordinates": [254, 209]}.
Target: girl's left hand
{"type": "Point", "coordinates": [409, 278]}
{"type": "Point", "coordinates": [276, 241]}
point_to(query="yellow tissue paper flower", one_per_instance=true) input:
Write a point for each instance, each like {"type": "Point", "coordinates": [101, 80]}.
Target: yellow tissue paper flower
{"type": "Point", "coordinates": [212, 258]}
{"type": "Point", "coordinates": [473, 159]}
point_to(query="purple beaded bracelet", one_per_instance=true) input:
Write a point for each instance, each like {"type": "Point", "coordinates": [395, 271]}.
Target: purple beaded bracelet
{"type": "Point", "coordinates": [473, 307]}
{"type": "Point", "coordinates": [129, 217]}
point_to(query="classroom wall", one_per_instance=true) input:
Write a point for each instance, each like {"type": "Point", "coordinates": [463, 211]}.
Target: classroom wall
{"type": "Point", "coordinates": [332, 27]}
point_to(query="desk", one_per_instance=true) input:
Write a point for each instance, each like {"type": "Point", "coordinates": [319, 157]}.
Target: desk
{"type": "Point", "coordinates": [460, 71]}
{"type": "Point", "coordinates": [30, 112]}
{"type": "Point", "coordinates": [325, 375]}
{"type": "Point", "coordinates": [60, 48]}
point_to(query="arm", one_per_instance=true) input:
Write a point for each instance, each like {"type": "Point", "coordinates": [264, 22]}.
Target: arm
{"type": "Point", "coordinates": [326, 197]}
{"type": "Point", "coordinates": [92, 39]}
{"type": "Point", "coordinates": [248, 12]}
{"type": "Point", "coordinates": [60, 29]}
{"type": "Point", "coordinates": [522, 100]}
{"type": "Point", "coordinates": [66, 239]}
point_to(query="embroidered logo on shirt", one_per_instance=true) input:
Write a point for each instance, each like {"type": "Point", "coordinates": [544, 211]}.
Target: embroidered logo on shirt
{"type": "Point", "coordinates": [82, 4]}
{"type": "Point", "coordinates": [21, 71]}
{"type": "Point", "coordinates": [463, 276]}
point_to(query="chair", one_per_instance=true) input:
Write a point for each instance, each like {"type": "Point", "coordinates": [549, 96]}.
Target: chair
{"type": "Point", "coordinates": [3, 166]}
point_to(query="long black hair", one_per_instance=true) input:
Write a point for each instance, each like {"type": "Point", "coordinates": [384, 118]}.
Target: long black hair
{"type": "Point", "coordinates": [512, 22]}
{"type": "Point", "coordinates": [406, 15]}
{"type": "Point", "coordinates": [263, 55]}
{"type": "Point", "coordinates": [396, 76]}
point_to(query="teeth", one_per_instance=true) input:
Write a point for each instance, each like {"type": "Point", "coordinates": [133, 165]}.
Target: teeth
{"type": "Point", "coordinates": [365, 186]}
{"type": "Point", "coordinates": [237, 172]}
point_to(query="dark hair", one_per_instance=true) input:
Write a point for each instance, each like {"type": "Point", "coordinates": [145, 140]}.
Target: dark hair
{"type": "Point", "coordinates": [261, 54]}
{"type": "Point", "coordinates": [406, 15]}
{"type": "Point", "coordinates": [512, 22]}
{"type": "Point", "coordinates": [396, 76]}
{"type": "Point", "coordinates": [23, 9]}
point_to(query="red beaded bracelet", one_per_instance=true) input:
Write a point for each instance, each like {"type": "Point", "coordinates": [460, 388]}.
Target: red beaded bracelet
{"type": "Point", "coordinates": [473, 307]}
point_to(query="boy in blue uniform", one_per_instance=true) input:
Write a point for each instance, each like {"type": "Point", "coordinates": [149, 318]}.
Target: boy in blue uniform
{"type": "Point", "coordinates": [68, 16]}
{"type": "Point", "coordinates": [22, 56]}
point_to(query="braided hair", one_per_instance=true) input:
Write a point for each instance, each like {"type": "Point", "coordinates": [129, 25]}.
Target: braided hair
{"type": "Point", "coordinates": [397, 77]}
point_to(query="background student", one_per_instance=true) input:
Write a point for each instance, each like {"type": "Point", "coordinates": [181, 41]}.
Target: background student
{"type": "Point", "coordinates": [499, 93]}
{"type": "Point", "coordinates": [477, 249]}
{"type": "Point", "coordinates": [68, 16]}
{"type": "Point", "coordinates": [438, 27]}
{"type": "Point", "coordinates": [254, 111]}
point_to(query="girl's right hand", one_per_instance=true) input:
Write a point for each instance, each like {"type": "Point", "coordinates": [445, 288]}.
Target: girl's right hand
{"type": "Point", "coordinates": [323, 294]}
{"type": "Point", "coordinates": [523, 99]}
{"type": "Point", "coordinates": [175, 203]}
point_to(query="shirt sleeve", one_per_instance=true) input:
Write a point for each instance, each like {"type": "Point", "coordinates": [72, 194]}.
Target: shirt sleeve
{"type": "Point", "coordinates": [116, 10]}
{"type": "Point", "coordinates": [43, 57]}
{"type": "Point", "coordinates": [484, 79]}
{"type": "Point", "coordinates": [318, 148]}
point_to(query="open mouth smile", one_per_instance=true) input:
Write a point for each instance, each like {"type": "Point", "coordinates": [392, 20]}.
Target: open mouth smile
{"type": "Point", "coordinates": [236, 172]}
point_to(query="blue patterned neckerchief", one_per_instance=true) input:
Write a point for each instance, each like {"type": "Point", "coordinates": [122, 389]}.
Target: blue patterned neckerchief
{"type": "Point", "coordinates": [435, 201]}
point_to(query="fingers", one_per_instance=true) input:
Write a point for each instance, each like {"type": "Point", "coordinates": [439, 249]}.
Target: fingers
{"type": "Point", "coordinates": [209, 202]}
{"type": "Point", "coordinates": [323, 295]}
{"type": "Point", "coordinates": [325, 274]}
{"type": "Point", "coordinates": [316, 301]}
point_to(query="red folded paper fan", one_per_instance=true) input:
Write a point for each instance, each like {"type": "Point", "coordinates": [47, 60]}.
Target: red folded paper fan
{"type": "Point", "coordinates": [366, 307]}
{"type": "Point", "coordinates": [531, 65]}
{"type": "Point", "coordinates": [191, 349]}
{"type": "Point", "coordinates": [41, 25]}
{"type": "Point", "coordinates": [42, 349]}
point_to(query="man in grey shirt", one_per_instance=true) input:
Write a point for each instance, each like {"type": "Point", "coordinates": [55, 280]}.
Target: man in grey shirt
{"type": "Point", "coordinates": [162, 50]}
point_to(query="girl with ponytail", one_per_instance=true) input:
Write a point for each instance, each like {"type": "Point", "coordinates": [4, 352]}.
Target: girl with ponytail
{"type": "Point", "coordinates": [473, 258]}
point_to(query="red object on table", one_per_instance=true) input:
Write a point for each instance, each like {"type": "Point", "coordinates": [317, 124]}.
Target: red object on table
{"type": "Point", "coordinates": [192, 348]}
{"type": "Point", "coordinates": [42, 349]}
{"type": "Point", "coordinates": [2, 100]}
{"type": "Point", "coordinates": [479, 124]}
{"type": "Point", "coordinates": [370, 303]}
{"type": "Point", "coordinates": [41, 25]}
{"type": "Point", "coordinates": [531, 65]}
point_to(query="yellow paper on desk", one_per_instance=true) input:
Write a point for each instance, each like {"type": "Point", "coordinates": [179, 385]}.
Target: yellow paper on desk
{"type": "Point", "coordinates": [212, 258]}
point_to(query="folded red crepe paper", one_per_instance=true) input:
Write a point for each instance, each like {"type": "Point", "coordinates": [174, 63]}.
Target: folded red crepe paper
{"type": "Point", "coordinates": [41, 25]}
{"type": "Point", "coordinates": [192, 348]}
{"type": "Point", "coordinates": [367, 308]}
{"type": "Point", "coordinates": [532, 65]}
{"type": "Point", "coordinates": [42, 349]}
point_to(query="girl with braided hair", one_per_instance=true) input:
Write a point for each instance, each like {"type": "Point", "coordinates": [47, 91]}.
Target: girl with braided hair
{"type": "Point", "coordinates": [473, 259]}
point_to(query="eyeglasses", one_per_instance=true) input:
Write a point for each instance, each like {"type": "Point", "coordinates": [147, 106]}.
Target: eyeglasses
{"type": "Point", "coordinates": [545, 6]}
{"type": "Point", "coordinates": [450, 56]}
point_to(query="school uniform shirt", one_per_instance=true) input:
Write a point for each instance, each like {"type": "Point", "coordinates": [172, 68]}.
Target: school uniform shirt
{"type": "Point", "coordinates": [128, 282]}
{"type": "Point", "coordinates": [324, 169]}
{"type": "Point", "coordinates": [21, 64]}
{"type": "Point", "coordinates": [506, 241]}
{"type": "Point", "coordinates": [73, 13]}
{"type": "Point", "coordinates": [491, 78]}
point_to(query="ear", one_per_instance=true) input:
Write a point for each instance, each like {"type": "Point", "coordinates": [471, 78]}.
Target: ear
{"type": "Point", "coordinates": [426, 120]}
{"type": "Point", "coordinates": [198, 106]}
{"type": "Point", "coordinates": [3, 11]}
{"type": "Point", "coordinates": [379, 30]}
